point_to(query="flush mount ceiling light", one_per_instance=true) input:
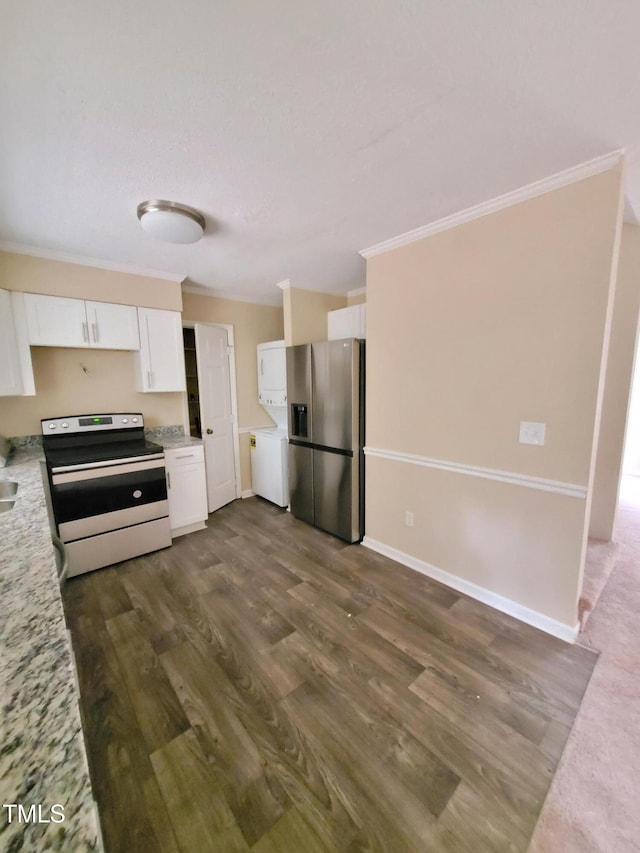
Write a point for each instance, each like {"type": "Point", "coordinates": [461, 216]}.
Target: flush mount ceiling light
{"type": "Point", "coordinates": [170, 221]}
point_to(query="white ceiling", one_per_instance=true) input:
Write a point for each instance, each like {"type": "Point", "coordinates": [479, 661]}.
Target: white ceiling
{"type": "Point", "coordinates": [304, 131]}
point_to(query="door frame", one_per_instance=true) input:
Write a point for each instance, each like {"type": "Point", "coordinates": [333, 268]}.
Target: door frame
{"type": "Point", "coordinates": [191, 324]}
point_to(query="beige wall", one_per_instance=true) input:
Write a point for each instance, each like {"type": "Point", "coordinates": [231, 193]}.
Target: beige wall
{"type": "Point", "coordinates": [253, 324]}
{"type": "Point", "coordinates": [469, 332]}
{"type": "Point", "coordinates": [72, 380]}
{"type": "Point", "coordinates": [305, 314]}
{"type": "Point", "coordinates": [618, 386]}
{"type": "Point", "coordinates": [57, 278]}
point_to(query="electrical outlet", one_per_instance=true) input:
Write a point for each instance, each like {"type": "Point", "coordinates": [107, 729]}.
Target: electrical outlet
{"type": "Point", "coordinates": [532, 433]}
{"type": "Point", "coordinates": [408, 519]}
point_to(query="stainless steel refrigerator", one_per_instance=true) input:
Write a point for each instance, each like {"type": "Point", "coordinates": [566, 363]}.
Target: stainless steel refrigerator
{"type": "Point", "coordinates": [325, 391]}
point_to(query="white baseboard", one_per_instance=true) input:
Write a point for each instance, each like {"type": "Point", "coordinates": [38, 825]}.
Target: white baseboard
{"type": "Point", "coordinates": [187, 528]}
{"type": "Point", "coordinates": [248, 493]}
{"type": "Point", "coordinates": [480, 593]}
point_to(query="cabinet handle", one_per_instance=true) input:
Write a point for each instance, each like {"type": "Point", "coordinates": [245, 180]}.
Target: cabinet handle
{"type": "Point", "coordinates": [168, 480]}
{"type": "Point", "coordinates": [149, 382]}
{"type": "Point", "coordinates": [85, 333]}
{"type": "Point", "coordinates": [94, 329]}
{"type": "Point", "coordinates": [184, 455]}
{"type": "Point", "coordinates": [261, 367]}
{"type": "Point", "coordinates": [209, 432]}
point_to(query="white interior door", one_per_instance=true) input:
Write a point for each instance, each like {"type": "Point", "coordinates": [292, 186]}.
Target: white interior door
{"type": "Point", "coordinates": [214, 387]}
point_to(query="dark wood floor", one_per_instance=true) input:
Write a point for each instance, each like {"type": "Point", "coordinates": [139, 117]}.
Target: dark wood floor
{"type": "Point", "coordinates": [263, 686]}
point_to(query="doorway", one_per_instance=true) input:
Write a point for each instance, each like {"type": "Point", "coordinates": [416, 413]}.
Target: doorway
{"type": "Point", "coordinates": [210, 406]}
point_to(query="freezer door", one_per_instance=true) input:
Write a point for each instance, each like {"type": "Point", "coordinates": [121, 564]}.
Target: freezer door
{"type": "Point", "coordinates": [301, 482]}
{"type": "Point", "coordinates": [299, 393]}
{"type": "Point", "coordinates": [336, 494]}
{"type": "Point", "coordinates": [336, 394]}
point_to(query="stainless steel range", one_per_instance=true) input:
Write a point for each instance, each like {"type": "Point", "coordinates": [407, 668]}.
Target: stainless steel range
{"type": "Point", "coordinates": [108, 488]}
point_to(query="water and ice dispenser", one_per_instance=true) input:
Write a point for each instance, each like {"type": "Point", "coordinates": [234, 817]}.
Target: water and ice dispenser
{"type": "Point", "coordinates": [299, 420]}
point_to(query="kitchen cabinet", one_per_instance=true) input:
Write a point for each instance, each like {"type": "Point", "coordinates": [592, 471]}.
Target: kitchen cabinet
{"type": "Point", "coordinates": [186, 489]}
{"type": "Point", "coordinates": [112, 326]}
{"type": "Point", "coordinates": [160, 360]}
{"type": "Point", "coordinates": [16, 372]}
{"type": "Point", "coordinates": [348, 322]}
{"type": "Point", "coordinates": [272, 373]}
{"type": "Point", "coordinates": [58, 321]}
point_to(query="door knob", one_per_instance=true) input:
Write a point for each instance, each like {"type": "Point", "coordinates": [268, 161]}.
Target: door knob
{"type": "Point", "coordinates": [209, 432]}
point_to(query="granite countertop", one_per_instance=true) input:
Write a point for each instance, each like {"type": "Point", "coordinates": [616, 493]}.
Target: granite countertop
{"type": "Point", "coordinates": [43, 759]}
{"type": "Point", "coordinates": [173, 442]}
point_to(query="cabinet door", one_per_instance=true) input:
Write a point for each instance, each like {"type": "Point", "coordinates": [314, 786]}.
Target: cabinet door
{"type": "Point", "coordinates": [347, 322]}
{"type": "Point", "coordinates": [187, 494]}
{"type": "Point", "coordinates": [56, 321]}
{"type": "Point", "coordinates": [161, 357]}
{"type": "Point", "coordinates": [272, 374]}
{"type": "Point", "coordinates": [113, 326]}
{"type": "Point", "coordinates": [10, 377]}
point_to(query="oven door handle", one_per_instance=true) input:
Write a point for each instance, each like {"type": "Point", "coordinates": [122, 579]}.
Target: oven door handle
{"type": "Point", "coordinates": [109, 463]}
{"type": "Point", "coordinates": [76, 474]}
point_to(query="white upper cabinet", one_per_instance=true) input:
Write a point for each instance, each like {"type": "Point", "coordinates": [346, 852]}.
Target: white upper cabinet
{"type": "Point", "coordinates": [113, 326]}
{"type": "Point", "coordinates": [160, 360]}
{"type": "Point", "coordinates": [272, 373]}
{"type": "Point", "coordinates": [348, 322]}
{"type": "Point", "coordinates": [16, 373]}
{"type": "Point", "coordinates": [58, 321]}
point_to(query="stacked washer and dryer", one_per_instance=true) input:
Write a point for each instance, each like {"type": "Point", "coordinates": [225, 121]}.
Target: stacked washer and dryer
{"type": "Point", "coordinates": [269, 446]}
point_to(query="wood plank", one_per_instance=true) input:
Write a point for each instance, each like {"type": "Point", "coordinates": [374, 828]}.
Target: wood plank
{"type": "Point", "coordinates": [375, 731]}
{"type": "Point", "coordinates": [158, 711]}
{"type": "Point", "coordinates": [254, 795]}
{"type": "Point", "coordinates": [393, 812]}
{"type": "Point", "coordinates": [199, 813]}
{"type": "Point", "coordinates": [524, 685]}
{"type": "Point", "coordinates": [121, 774]}
{"type": "Point", "coordinates": [293, 833]}
{"type": "Point", "coordinates": [505, 800]}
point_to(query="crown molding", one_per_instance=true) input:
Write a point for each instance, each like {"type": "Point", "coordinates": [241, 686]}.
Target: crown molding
{"type": "Point", "coordinates": [231, 296]}
{"type": "Point", "coordinates": [197, 289]}
{"type": "Point", "coordinates": [359, 291]}
{"type": "Point", "coordinates": [553, 182]}
{"type": "Point", "coordinates": [96, 263]}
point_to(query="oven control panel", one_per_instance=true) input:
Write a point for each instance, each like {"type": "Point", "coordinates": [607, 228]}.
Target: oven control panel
{"type": "Point", "coordinates": [92, 423]}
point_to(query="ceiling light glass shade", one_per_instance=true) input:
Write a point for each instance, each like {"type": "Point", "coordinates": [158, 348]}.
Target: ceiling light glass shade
{"type": "Point", "coordinates": [170, 221]}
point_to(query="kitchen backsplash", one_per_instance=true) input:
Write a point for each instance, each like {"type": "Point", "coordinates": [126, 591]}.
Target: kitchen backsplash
{"type": "Point", "coordinates": [25, 442]}
{"type": "Point", "coordinates": [159, 433]}
{"type": "Point", "coordinates": [33, 442]}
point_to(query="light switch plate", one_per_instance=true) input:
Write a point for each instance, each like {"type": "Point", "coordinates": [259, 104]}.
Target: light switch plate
{"type": "Point", "coordinates": [532, 433]}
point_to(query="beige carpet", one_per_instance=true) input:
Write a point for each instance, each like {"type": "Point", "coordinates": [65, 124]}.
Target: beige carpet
{"type": "Point", "coordinates": [593, 805]}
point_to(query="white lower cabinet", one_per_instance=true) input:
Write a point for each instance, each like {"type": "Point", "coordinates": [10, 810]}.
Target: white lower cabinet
{"type": "Point", "coordinates": [160, 360]}
{"type": "Point", "coordinates": [186, 489]}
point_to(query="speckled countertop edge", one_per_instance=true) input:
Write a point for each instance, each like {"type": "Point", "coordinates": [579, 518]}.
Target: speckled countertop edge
{"type": "Point", "coordinates": [43, 758]}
